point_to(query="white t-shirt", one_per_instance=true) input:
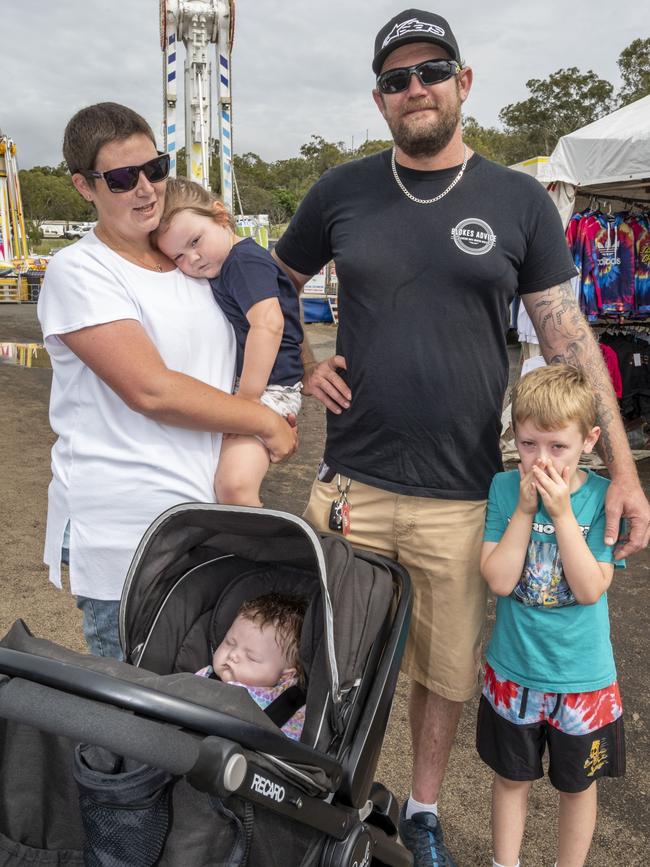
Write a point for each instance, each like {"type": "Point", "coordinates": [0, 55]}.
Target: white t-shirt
{"type": "Point", "coordinates": [113, 469]}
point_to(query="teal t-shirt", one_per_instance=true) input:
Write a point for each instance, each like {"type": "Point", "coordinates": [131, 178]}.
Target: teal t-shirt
{"type": "Point", "coordinates": [543, 638]}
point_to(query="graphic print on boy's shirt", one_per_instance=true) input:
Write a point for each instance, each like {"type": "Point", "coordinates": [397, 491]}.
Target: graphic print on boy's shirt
{"type": "Point", "coordinates": [542, 581]}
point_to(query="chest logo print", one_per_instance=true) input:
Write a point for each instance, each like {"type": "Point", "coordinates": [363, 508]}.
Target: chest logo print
{"type": "Point", "coordinates": [473, 236]}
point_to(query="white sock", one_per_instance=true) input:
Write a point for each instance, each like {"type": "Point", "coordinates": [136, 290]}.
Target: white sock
{"type": "Point", "coordinates": [496, 864]}
{"type": "Point", "coordinates": [413, 806]}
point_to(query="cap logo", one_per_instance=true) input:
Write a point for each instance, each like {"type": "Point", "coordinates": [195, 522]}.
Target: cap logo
{"type": "Point", "coordinates": [413, 25]}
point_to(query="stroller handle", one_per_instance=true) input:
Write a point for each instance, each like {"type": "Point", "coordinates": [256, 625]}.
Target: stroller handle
{"type": "Point", "coordinates": [211, 764]}
{"type": "Point", "coordinates": [153, 704]}
{"type": "Point", "coordinates": [87, 721]}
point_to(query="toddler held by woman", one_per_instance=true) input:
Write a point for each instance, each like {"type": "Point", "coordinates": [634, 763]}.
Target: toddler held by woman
{"type": "Point", "coordinates": [198, 234]}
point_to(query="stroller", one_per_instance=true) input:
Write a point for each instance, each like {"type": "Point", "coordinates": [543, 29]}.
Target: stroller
{"type": "Point", "coordinates": [136, 763]}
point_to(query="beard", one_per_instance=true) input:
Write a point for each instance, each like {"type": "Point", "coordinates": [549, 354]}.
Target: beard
{"type": "Point", "coordinates": [425, 140]}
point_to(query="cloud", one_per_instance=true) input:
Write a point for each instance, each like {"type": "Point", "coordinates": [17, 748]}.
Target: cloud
{"type": "Point", "coordinates": [299, 67]}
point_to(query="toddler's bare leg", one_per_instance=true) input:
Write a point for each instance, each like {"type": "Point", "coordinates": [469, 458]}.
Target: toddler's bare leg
{"type": "Point", "coordinates": [577, 822]}
{"type": "Point", "coordinates": [509, 803]}
{"type": "Point", "coordinates": [242, 466]}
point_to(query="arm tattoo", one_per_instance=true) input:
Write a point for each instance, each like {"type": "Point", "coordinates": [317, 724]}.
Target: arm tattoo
{"type": "Point", "coordinates": [565, 336]}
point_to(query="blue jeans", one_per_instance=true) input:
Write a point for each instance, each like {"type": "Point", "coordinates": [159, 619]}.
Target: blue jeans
{"type": "Point", "coordinates": [65, 545]}
{"type": "Point", "coordinates": [100, 618]}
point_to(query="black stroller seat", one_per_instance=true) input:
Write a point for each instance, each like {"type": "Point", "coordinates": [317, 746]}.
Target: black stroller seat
{"type": "Point", "coordinates": [216, 780]}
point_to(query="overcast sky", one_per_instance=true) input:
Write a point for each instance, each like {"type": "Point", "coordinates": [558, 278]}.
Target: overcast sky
{"type": "Point", "coordinates": [299, 67]}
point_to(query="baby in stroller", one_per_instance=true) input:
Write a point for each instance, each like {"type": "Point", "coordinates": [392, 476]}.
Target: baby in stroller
{"type": "Point", "coordinates": [142, 763]}
{"type": "Point", "coordinates": [260, 652]}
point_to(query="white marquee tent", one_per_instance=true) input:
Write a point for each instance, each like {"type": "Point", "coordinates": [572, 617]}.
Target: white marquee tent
{"type": "Point", "coordinates": [609, 157]}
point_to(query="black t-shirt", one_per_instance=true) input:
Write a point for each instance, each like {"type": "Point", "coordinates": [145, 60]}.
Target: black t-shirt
{"type": "Point", "coordinates": [424, 294]}
{"type": "Point", "coordinates": [248, 275]}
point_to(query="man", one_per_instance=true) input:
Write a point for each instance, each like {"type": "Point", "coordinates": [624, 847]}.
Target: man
{"type": "Point", "coordinates": [431, 242]}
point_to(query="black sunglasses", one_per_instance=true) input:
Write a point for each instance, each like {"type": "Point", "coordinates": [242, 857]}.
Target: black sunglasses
{"type": "Point", "coordinates": [429, 72]}
{"type": "Point", "coordinates": [126, 178]}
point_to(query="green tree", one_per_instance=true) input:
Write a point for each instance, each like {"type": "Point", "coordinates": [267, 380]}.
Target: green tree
{"type": "Point", "coordinates": [321, 155]}
{"type": "Point", "coordinates": [34, 234]}
{"type": "Point", "coordinates": [492, 143]}
{"type": "Point", "coordinates": [566, 100]}
{"type": "Point", "coordinates": [253, 167]}
{"type": "Point", "coordinates": [295, 176]}
{"type": "Point", "coordinates": [181, 163]}
{"type": "Point", "coordinates": [634, 65]}
{"type": "Point", "coordinates": [273, 188]}
{"type": "Point", "coordinates": [60, 171]}
{"type": "Point", "coordinates": [372, 146]}
{"type": "Point", "coordinates": [48, 194]}
{"type": "Point", "coordinates": [285, 205]}
{"type": "Point", "coordinates": [214, 174]}
{"type": "Point", "coordinates": [251, 177]}
{"type": "Point", "coordinates": [291, 174]}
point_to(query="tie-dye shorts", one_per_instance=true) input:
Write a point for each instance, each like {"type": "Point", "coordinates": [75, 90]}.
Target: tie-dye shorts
{"type": "Point", "coordinates": [582, 731]}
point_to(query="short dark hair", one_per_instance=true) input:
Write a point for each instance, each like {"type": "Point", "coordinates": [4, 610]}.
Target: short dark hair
{"type": "Point", "coordinates": [286, 614]}
{"type": "Point", "coordinates": [96, 125]}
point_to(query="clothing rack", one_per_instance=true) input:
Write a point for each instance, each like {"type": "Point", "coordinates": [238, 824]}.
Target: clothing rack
{"type": "Point", "coordinates": [594, 199]}
{"type": "Point", "coordinates": [622, 327]}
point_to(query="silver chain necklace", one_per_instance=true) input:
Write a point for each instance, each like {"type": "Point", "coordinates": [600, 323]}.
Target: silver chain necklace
{"type": "Point", "coordinates": [435, 198]}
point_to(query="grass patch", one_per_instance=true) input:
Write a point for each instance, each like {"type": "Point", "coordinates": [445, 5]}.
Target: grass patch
{"type": "Point", "coordinates": [43, 248]}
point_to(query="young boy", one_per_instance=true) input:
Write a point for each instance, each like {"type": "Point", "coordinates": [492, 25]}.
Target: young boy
{"type": "Point", "coordinates": [260, 652]}
{"type": "Point", "coordinates": [550, 679]}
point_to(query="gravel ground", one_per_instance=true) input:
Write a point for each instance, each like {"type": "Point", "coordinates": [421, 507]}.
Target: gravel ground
{"type": "Point", "coordinates": [622, 833]}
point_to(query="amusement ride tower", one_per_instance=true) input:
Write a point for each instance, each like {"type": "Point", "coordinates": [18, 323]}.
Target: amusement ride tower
{"type": "Point", "coordinates": [206, 29]}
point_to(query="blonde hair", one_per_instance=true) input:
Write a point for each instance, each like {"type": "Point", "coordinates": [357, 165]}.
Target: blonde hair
{"type": "Point", "coordinates": [181, 194]}
{"type": "Point", "coordinates": [552, 397]}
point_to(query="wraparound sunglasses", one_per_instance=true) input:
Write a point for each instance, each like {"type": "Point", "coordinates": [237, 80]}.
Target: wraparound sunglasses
{"type": "Point", "coordinates": [430, 72]}
{"type": "Point", "coordinates": [126, 178]}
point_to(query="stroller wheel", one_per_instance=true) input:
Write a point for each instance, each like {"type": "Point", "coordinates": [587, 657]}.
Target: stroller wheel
{"type": "Point", "coordinates": [355, 851]}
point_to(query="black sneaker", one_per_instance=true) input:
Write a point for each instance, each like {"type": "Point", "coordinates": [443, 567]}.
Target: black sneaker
{"type": "Point", "coordinates": [422, 836]}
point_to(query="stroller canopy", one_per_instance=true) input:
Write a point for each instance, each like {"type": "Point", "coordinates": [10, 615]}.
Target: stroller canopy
{"type": "Point", "coordinates": [355, 588]}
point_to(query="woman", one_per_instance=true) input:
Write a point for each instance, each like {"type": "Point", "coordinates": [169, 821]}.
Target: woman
{"type": "Point", "coordinates": [143, 364]}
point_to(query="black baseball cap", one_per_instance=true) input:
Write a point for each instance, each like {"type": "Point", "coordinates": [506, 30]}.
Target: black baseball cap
{"type": "Point", "coordinates": [413, 25]}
